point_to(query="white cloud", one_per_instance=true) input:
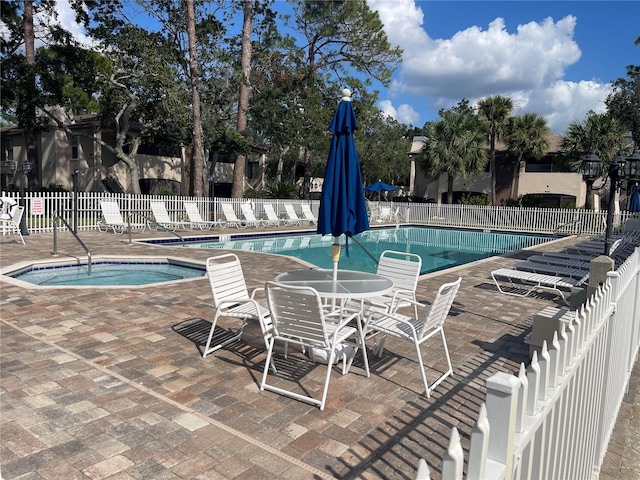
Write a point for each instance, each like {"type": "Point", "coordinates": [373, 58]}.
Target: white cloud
{"type": "Point", "coordinates": [527, 65]}
{"type": "Point", "coordinates": [67, 19]}
{"type": "Point", "coordinates": [404, 113]}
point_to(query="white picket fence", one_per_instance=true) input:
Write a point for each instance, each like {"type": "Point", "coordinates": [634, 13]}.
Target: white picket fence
{"type": "Point", "coordinates": [41, 206]}
{"type": "Point", "coordinates": [555, 418]}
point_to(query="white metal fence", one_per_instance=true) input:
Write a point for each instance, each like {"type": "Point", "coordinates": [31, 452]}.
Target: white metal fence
{"type": "Point", "coordinates": [555, 419]}
{"type": "Point", "coordinates": [41, 206]}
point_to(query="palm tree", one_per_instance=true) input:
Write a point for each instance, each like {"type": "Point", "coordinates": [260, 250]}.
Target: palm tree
{"type": "Point", "coordinates": [455, 146]}
{"type": "Point", "coordinates": [598, 133]}
{"type": "Point", "coordinates": [526, 137]}
{"type": "Point", "coordinates": [494, 112]}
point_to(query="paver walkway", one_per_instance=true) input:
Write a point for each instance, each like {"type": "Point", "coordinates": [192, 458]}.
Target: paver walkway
{"type": "Point", "coordinates": [110, 383]}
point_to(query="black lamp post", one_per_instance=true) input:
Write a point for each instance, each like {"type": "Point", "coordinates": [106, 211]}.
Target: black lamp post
{"type": "Point", "coordinates": [76, 172]}
{"type": "Point", "coordinates": [25, 168]}
{"type": "Point", "coordinates": [621, 168]}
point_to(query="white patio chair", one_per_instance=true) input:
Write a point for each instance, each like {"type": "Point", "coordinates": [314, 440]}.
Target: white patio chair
{"type": "Point", "coordinates": [418, 331]}
{"type": "Point", "coordinates": [113, 218]}
{"type": "Point", "coordinates": [11, 226]}
{"type": "Point", "coordinates": [403, 269]}
{"type": "Point", "coordinates": [231, 299]}
{"type": "Point", "coordinates": [298, 317]}
{"type": "Point", "coordinates": [308, 214]}
{"type": "Point", "coordinates": [250, 217]}
{"type": "Point", "coordinates": [292, 216]}
{"type": "Point", "coordinates": [163, 219]}
{"type": "Point", "coordinates": [196, 220]}
{"type": "Point", "coordinates": [231, 219]}
{"type": "Point", "coordinates": [271, 215]}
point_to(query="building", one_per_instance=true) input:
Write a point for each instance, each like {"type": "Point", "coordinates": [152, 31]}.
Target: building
{"type": "Point", "coordinates": [160, 167]}
{"type": "Point", "coordinates": [546, 178]}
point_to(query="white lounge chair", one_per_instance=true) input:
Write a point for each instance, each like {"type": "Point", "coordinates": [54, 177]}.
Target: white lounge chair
{"type": "Point", "coordinates": [553, 269]}
{"type": "Point", "coordinates": [250, 217]}
{"type": "Point", "coordinates": [308, 214]}
{"type": "Point", "coordinates": [163, 219]}
{"type": "Point", "coordinates": [11, 226]}
{"type": "Point", "coordinates": [292, 216]}
{"type": "Point", "coordinates": [419, 330]}
{"type": "Point", "coordinates": [231, 219]}
{"type": "Point", "coordinates": [231, 299]}
{"type": "Point", "coordinates": [196, 220]}
{"type": "Point", "coordinates": [298, 317]}
{"type": "Point", "coordinates": [528, 282]}
{"type": "Point", "coordinates": [112, 218]}
{"type": "Point", "coordinates": [565, 262]}
{"type": "Point", "coordinates": [272, 217]}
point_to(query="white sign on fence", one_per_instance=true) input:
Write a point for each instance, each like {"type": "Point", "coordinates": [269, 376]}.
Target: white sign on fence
{"type": "Point", "coordinates": [37, 206]}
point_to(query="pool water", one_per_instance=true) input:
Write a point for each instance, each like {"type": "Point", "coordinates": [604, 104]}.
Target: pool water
{"type": "Point", "coordinates": [439, 248]}
{"type": "Point", "coordinates": [119, 274]}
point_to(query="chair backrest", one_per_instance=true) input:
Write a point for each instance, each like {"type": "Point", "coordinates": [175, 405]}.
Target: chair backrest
{"type": "Point", "coordinates": [247, 211]}
{"type": "Point", "coordinates": [401, 267]}
{"type": "Point", "coordinates": [111, 213]}
{"type": "Point", "coordinates": [160, 212]}
{"type": "Point", "coordinates": [270, 212]}
{"type": "Point", "coordinates": [297, 313]}
{"type": "Point", "coordinates": [226, 278]}
{"type": "Point", "coordinates": [291, 212]}
{"type": "Point", "coordinates": [192, 212]}
{"type": "Point", "coordinates": [440, 307]}
{"type": "Point", "coordinates": [306, 211]}
{"type": "Point", "coordinates": [16, 215]}
{"type": "Point", "coordinates": [228, 212]}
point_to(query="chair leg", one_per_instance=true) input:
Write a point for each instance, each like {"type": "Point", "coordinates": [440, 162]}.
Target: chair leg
{"type": "Point", "coordinates": [427, 390]}
{"type": "Point", "coordinates": [208, 349]}
{"type": "Point", "coordinates": [327, 378]}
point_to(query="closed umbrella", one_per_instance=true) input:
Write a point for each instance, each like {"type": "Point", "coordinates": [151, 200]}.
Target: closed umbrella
{"type": "Point", "coordinates": [634, 204]}
{"type": "Point", "coordinates": [380, 187]}
{"type": "Point", "coordinates": [343, 209]}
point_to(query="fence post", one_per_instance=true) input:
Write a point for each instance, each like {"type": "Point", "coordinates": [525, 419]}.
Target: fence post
{"type": "Point", "coordinates": [502, 399]}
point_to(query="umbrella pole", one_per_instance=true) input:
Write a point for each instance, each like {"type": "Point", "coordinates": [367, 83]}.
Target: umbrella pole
{"type": "Point", "coordinates": [335, 257]}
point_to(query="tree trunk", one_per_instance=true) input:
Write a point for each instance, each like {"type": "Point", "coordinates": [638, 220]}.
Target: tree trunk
{"type": "Point", "coordinates": [197, 178]}
{"type": "Point", "coordinates": [237, 190]}
{"type": "Point", "coordinates": [449, 189]}
{"type": "Point", "coordinates": [31, 140]}
{"type": "Point", "coordinates": [306, 183]}
{"type": "Point", "coordinates": [515, 177]}
{"type": "Point", "coordinates": [492, 168]}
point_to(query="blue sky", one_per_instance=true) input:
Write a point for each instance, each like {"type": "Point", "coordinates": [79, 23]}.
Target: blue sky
{"type": "Point", "coordinates": [554, 58]}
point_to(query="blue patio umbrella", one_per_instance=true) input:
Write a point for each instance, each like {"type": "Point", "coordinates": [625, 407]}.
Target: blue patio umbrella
{"type": "Point", "coordinates": [634, 204]}
{"type": "Point", "coordinates": [380, 187]}
{"type": "Point", "coordinates": [343, 209]}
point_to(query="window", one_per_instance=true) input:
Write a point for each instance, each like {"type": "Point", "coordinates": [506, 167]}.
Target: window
{"type": "Point", "coordinates": [74, 148]}
{"type": "Point", "coordinates": [7, 150]}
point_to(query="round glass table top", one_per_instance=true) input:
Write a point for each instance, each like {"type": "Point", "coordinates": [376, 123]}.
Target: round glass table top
{"type": "Point", "coordinates": [349, 283]}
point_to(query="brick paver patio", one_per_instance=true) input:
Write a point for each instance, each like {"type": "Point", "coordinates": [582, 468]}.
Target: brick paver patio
{"type": "Point", "coordinates": [109, 383]}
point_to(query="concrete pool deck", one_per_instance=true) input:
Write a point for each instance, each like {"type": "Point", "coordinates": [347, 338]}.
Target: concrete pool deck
{"type": "Point", "coordinates": [111, 384]}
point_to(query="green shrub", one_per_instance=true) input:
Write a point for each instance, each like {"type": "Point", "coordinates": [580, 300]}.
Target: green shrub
{"type": "Point", "coordinates": [166, 191]}
{"type": "Point", "coordinates": [477, 200]}
{"type": "Point", "coordinates": [284, 190]}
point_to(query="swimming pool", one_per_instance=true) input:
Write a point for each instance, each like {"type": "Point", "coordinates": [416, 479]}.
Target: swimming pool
{"type": "Point", "coordinates": [113, 272]}
{"type": "Point", "coordinates": [439, 248]}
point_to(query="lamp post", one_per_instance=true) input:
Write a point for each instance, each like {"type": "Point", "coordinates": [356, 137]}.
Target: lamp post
{"type": "Point", "coordinates": [621, 168]}
{"type": "Point", "coordinates": [76, 172]}
{"type": "Point", "coordinates": [25, 168]}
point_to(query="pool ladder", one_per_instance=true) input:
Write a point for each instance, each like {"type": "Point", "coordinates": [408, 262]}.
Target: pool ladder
{"type": "Point", "coordinates": [54, 221]}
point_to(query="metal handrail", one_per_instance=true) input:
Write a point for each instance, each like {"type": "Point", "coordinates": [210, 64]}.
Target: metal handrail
{"type": "Point", "coordinates": [364, 250]}
{"type": "Point", "coordinates": [56, 217]}
{"type": "Point", "coordinates": [150, 220]}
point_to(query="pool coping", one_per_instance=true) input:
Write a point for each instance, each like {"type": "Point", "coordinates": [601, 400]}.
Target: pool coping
{"type": "Point", "coordinates": [5, 272]}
